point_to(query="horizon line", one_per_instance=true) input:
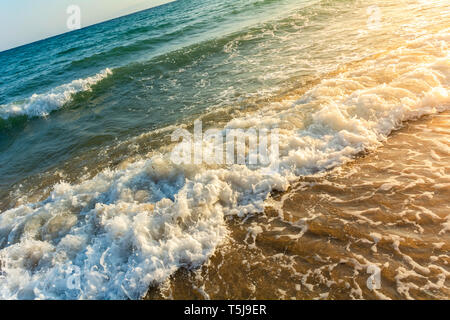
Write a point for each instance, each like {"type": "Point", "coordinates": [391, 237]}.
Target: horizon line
{"type": "Point", "coordinates": [86, 27]}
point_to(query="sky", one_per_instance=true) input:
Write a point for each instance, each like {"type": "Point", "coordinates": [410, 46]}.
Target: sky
{"type": "Point", "coordinates": [26, 21]}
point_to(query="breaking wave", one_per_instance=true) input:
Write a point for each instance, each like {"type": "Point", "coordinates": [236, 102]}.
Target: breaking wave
{"type": "Point", "coordinates": [126, 229]}
{"type": "Point", "coordinates": [41, 105]}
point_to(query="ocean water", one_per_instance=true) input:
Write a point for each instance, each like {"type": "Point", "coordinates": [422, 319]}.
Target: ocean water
{"type": "Point", "coordinates": [93, 208]}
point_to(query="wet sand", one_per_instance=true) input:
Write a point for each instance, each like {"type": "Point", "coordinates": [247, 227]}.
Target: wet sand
{"type": "Point", "coordinates": [387, 208]}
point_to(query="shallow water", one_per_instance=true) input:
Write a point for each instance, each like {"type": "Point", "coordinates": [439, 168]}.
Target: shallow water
{"type": "Point", "coordinates": [388, 208]}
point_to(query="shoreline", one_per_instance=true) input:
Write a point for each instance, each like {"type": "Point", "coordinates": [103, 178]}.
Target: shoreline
{"type": "Point", "coordinates": [295, 250]}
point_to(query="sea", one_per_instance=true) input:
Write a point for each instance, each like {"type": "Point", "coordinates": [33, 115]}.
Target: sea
{"type": "Point", "coordinates": [355, 205]}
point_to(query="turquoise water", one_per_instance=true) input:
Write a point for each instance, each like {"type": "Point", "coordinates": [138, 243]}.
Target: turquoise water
{"type": "Point", "coordinates": [160, 59]}
{"type": "Point", "coordinates": [87, 188]}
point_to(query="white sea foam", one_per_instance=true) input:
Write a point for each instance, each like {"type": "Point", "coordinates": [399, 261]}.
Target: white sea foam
{"type": "Point", "coordinates": [40, 105]}
{"type": "Point", "coordinates": [131, 227]}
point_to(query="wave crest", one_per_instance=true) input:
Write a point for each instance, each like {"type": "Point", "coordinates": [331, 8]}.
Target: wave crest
{"type": "Point", "coordinates": [41, 105]}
